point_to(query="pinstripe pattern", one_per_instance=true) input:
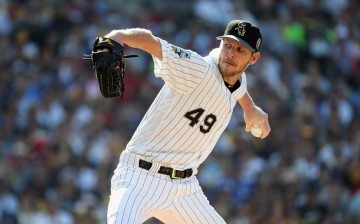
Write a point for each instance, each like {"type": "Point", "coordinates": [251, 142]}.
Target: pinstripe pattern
{"type": "Point", "coordinates": [179, 130]}
{"type": "Point", "coordinates": [137, 195]}
{"type": "Point", "coordinates": [164, 135]}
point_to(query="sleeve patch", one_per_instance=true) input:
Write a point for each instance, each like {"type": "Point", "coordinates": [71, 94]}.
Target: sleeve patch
{"type": "Point", "coordinates": [181, 52]}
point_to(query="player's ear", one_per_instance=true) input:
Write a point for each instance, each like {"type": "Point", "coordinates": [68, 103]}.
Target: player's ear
{"type": "Point", "coordinates": [255, 56]}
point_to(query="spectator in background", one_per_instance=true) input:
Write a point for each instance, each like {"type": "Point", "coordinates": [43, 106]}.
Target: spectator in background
{"type": "Point", "coordinates": [310, 79]}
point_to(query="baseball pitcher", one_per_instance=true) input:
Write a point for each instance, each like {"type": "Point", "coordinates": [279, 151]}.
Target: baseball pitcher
{"type": "Point", "coordinates": [156, 174]}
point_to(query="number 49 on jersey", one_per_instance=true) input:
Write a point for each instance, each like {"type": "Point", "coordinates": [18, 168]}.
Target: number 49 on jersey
{"type": "Point", "coordinates": [196, 115]}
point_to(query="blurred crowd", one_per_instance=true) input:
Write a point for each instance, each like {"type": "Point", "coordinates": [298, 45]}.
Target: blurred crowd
{"type": "Point", "coordinates": [60, 140]}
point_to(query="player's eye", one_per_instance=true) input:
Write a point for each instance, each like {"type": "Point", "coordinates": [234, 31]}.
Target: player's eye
{"type": "Point", "coordinates": [240, 49]}
{"type": "Point", "coordinates": [227, 46]}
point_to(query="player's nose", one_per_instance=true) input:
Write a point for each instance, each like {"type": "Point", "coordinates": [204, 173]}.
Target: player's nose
{"type": "Point", "coordinates": [231, 53]}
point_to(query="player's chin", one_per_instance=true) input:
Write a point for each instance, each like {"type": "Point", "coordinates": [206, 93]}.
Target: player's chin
{"type": "Point", "coordinates": [226, 70]}
{"type": "Point", "coordinates": [229, 73]}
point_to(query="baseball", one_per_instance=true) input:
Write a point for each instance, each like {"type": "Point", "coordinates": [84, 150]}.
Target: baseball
{"type": "Point", "coordinates": [256, 131]}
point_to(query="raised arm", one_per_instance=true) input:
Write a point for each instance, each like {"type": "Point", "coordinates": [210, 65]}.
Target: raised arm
{"type": "Point", "coordinates": [254, 115]}
{"type": "Point", "coordinates": [138, 38]}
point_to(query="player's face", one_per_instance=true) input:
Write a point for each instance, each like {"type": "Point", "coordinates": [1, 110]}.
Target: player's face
{"type": "Point", "coordinates": [234, 59]}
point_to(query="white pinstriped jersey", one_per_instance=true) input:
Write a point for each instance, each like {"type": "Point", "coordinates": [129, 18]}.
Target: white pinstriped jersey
{"type": "Point", "coordinates": [189, 114]}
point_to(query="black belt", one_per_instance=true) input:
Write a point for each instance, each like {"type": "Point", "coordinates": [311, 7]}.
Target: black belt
{"type": "Point", "coordinates": [174, 174]}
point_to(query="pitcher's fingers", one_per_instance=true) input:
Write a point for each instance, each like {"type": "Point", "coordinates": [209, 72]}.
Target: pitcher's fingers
{"type": "Point", "coordinates": [248, 127]}
{"type": "Point", "coordinates": [265, 130]}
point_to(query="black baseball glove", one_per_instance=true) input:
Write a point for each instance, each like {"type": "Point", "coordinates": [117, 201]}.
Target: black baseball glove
{"type": "Point", "coordinates": [109, 66]}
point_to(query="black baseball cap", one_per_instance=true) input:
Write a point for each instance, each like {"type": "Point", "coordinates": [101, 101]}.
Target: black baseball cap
{"type": "Point", "coordinates": [245, 32]}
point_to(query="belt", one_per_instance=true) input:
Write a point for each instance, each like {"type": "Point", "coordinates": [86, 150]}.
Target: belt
{"type": "Point", "coordinates": [174, 174]}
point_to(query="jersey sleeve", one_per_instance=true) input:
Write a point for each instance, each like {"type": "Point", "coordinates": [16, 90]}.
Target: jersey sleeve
{"type": "Point", "coordinates": [182, 70]}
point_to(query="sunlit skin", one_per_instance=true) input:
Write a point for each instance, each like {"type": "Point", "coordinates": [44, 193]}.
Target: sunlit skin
{"type": "Point", "coordinates": [234, 59]}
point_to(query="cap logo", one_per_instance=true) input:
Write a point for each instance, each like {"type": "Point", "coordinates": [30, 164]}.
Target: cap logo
{"type": "Point", "coordinates": [241, 29]}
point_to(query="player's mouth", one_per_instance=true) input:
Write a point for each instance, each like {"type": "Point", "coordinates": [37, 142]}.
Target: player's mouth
{"type": "Point", "coordinates": [230, 62]}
